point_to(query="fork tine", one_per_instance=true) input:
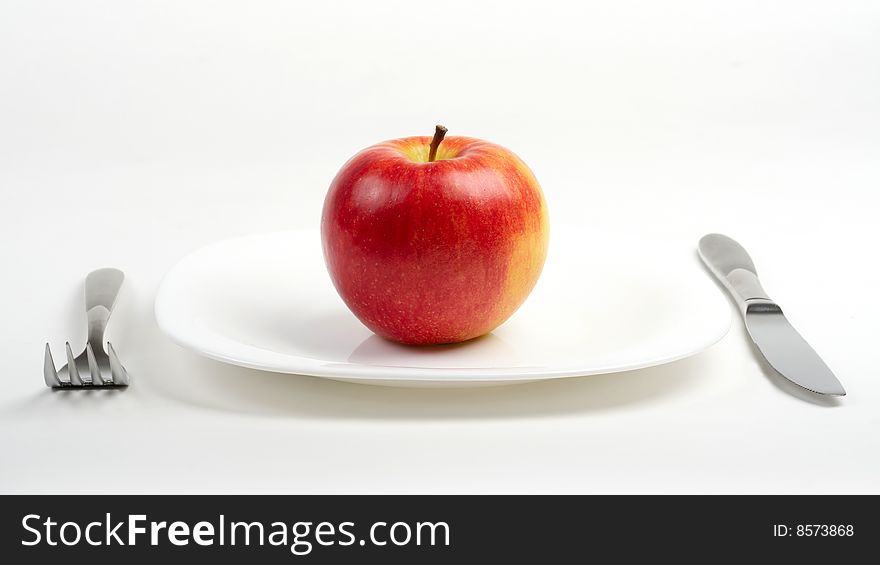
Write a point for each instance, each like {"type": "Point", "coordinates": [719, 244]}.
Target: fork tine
{"type": "Point", "coordinates": [72, 369]}
{"type": "Point", "coordinates": [117, 371]}
{"type": "Point", "coordinates": [49, 373]}
{"type": "Point", "coordinates": [94, 371]}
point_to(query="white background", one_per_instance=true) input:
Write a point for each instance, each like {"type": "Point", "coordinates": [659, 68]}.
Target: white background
{"type": "Point", "coordinates": [132, 133]}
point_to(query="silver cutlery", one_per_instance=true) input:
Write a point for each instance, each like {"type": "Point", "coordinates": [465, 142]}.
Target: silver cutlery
{"type": "Point", "coordinates": [780, 344]}
{"type": "Point", "coordinates": [95, 366]}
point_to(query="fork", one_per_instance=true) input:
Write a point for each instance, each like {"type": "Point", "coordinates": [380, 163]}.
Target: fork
{"type": "Point", "coordinates": [95, 366]}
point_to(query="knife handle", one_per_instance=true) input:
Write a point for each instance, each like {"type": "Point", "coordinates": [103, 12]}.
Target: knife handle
{"type": "Point", "coordinates": [734, 268]}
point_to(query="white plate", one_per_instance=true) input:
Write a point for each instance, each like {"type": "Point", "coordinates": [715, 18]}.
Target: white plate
{"type": "Point", "coordinates": [603, 304]}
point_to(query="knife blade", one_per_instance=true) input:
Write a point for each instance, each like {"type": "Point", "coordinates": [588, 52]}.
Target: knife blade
{"type": "Point", "coordinates": [780, 344]}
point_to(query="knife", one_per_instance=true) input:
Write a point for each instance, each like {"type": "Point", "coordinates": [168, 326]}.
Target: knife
{"type": "Point", "coordinates": [780, 344]}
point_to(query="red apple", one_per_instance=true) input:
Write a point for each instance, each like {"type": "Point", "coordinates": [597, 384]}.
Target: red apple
{"type": "Point", "coordinates": [434, 241]}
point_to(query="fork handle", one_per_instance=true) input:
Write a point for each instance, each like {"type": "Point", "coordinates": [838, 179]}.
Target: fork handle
{"type": "Point", "coordinates": [102, 288]}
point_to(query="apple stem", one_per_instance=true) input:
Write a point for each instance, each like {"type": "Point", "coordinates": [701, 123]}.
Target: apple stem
{"type": "Point", "coordinates": [439, 134]}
